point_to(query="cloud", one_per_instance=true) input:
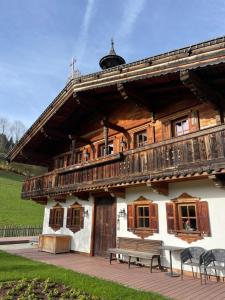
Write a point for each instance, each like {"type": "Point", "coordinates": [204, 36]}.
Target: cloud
{"type": "Point", "coordinates": [83, 37]}
{"type": "Point", "coordinates": [131, 12]}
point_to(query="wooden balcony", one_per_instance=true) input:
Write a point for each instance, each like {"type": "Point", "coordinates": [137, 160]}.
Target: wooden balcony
{"type": "Point", "coordinates": [198, 153]}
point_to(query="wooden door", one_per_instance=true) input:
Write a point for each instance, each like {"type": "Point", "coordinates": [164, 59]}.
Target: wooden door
{"type": "Point", "coordinates": [105, 225]}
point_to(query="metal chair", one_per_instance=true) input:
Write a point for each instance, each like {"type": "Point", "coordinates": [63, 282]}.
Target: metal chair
{"type": "Point", "coordinates": [192, 256]}
{"type": "Point", "coordinates": [214, 260]}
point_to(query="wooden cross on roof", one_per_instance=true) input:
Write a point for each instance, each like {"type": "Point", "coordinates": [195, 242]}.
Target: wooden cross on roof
{"type": "Point", "coordinates": [72, 65]}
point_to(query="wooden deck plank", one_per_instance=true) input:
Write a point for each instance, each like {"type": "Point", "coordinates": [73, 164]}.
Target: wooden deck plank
{"type": "Point", "coordinates": [136, 277]}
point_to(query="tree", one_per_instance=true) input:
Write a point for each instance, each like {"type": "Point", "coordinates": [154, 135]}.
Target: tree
{"type": "Point", "coordinates": [17, 130]}
{"type": "Point", "coordinates": [4, 125]}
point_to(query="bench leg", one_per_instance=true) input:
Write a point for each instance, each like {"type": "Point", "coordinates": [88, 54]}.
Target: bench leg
{"type": "Point", "coordinates": [110, 258]}
{"type": "Point", "coordinates": [159, 263]}
{"type": "Point", "coordinates": [129, 262]}
{"type": "Point", "coordinates": [151, 265]}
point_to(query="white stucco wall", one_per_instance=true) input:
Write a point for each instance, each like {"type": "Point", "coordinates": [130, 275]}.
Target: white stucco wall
{"type": "Point", "coordinates": [80, 240]}
{"type": "Point", "coordinates": [204, 189]}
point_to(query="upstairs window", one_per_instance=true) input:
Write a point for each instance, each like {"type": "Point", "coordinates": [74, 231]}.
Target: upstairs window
{"type": "Point", "coordinates": [140, 138]}
{"type": "Point", "coordinates": [102, 152]}
{"type": "Point", "coordinates": [75, 217]}
{"type": "Point", "coordinates": [79, 157]}
{"type": "Point", "coordinates": [56, 217]}
{"type": "Point", "coordinates": [181, 126]}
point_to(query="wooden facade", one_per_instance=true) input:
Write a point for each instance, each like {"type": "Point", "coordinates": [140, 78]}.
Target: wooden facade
{"type": "Point", "coordinates": [146, 124]}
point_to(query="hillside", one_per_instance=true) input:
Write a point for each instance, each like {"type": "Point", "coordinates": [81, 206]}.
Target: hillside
{"type": "Point", "coordinates": [13, 209]}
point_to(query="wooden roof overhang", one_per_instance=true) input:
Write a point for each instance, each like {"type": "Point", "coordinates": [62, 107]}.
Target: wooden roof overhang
{"type": "Point", "coordinates": [192, 71]}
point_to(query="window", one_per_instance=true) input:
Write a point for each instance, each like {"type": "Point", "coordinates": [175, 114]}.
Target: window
{"type": "Point", "coordinates": [79, 157]}
{"type": "Point", "coordinates": [75, 217]}
{"type": "Point", "coordinates": [102, 151]}
{"type": "Point", "coordinates": [142, 217]}
{"type": "Point", "coordinates": [188, 218]}
{"type": "Point", "coordinates": [140, 138]}
{"type": "Point", "coordinates": [181, 126]}
{"type": "Point", "coordinates": [69, 160]}
{"type": "Point", "coordinates": [61, 162]}
{"type": "Point", "coordinates": [56, 217]}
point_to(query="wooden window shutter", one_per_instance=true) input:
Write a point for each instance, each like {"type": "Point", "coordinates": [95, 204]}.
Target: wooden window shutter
{"type": "Point", "coordinates": [166, 130]}
{"type": "Point", "coordinates": [51, 217]}
{"type": "Point", "coordinates": [171, 219]}
{"type": "Point", "coordinates": [81, 217]}
{"type": "Point", "coordinates": [203, 217]}
{"type": "Point", "coordinates": [61, 216]}
{"type": "Point", "coordinates": [69, 217]}
{"type": "Point", "coordinates": [130, 217]}
{"type": "Point", "coordinates": [193, 120]}
{"type": "Point", "coordinates": [153, 217]}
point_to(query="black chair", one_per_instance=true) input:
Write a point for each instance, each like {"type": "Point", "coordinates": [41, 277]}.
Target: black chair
{"type": "Point", "coordinates": [192, 256]}
{"type": "Point", "coordinates": [214, 260]}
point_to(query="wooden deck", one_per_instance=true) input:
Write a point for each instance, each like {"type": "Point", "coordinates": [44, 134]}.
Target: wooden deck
{"type": "Point", "coordinates": [136, 277]}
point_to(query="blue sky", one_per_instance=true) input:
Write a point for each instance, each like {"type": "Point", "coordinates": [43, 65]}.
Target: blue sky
{"type": "Point", "coordinates": [38, 38]}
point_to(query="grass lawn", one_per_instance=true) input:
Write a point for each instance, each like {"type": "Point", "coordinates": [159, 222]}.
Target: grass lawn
{"type": "Point", "coordinates": [15, 211]}
{"type": "Point", "coordinates": [14, 268]}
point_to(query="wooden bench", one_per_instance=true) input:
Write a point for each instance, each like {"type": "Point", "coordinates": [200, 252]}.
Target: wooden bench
{"type": "Point", "coordinates": [140, 250]}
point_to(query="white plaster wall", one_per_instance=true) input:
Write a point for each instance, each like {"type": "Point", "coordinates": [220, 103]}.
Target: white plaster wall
{"type": "Point", "coordinates": [80, 241]}
{"type": "Point", "coordinates": [204, 189]}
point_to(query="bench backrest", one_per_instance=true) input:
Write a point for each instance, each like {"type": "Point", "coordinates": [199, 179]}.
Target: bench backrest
{"type": "Point", "coordinates": [151, 246]}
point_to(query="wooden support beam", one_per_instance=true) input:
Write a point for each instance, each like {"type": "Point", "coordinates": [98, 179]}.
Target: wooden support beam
{"type": "Point", "coordinates": [159, 187]}
{"type": "Point", "coordinates": [122, 91]}
{"type": "Point", "coordinates": [53, 134]}
{"type": "Point", "coordinates": [117, 192]}
{"type": "Point", "coordinates": [115, 127]}
{"type": "Point", "coordinates": [34, 157]}
{"type": "Point", "coordinates": [82, 195]}
{"type": "Point", "coordinates": [106, 139]}
{"type": "Point", "coordinates": [118, 128]}
{"type": "Point", "coordinates": [130, 95]}
{"type": "Point", "coordinates": [80, 139]}
{"type": "Point", "coordinates": [218, 179]}
{"type": "Point", "coordinates": [84, 102]}
{"type": "Point", "coordinates": [202, 90]}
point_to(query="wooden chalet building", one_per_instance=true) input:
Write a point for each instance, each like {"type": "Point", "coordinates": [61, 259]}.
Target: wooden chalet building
{"type": "Point", "coordinates": [136, 150]}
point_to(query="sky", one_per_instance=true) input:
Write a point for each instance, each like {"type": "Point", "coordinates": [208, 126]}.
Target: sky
{"type": "Point", "coordinates": [38, 39]}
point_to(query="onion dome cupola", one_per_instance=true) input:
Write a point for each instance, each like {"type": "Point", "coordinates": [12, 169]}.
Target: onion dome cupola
{"type": "Point", "coordinates": [112, 59]}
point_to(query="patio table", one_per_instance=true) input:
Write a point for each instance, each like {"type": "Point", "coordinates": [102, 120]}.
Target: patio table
{"type": "Point", "coordinates": [171, 249]}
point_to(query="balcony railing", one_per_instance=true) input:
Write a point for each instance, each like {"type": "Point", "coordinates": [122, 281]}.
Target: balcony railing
{"type": "Point", "coordinates": [202, 150]}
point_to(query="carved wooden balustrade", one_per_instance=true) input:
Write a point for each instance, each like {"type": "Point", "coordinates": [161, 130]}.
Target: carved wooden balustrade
{"type": "Point", "coordinates": [196, 152]}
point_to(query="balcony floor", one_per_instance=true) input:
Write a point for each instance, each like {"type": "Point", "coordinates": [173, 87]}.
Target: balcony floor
{"type": "Point", "coordinates": [136, 277]}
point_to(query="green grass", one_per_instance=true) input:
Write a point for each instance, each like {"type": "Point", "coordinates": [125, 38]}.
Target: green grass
{"type": "Point", "coordinates": [15, 268]}
{"type": "Point", "coordinates": [15, 211]}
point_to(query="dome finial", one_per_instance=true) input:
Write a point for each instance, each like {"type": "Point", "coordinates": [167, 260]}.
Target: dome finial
{"type": "Point", "coordinates": [112, 59]}
{"type": "Point", "coordinates": [112, 50]}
